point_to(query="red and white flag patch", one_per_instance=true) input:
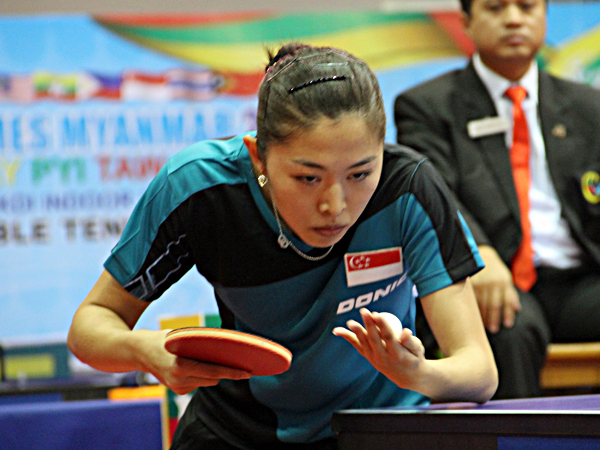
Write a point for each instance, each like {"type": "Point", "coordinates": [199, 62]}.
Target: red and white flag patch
{"type": "Point", "coordinates": [374, 265]}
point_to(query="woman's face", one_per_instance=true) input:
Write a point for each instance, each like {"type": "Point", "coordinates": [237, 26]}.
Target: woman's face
{"type": "Point", "coordinates": [322, 180]}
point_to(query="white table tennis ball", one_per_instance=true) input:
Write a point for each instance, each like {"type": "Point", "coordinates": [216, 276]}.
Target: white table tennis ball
{"type": "Point", "coordinates": [393, 322]}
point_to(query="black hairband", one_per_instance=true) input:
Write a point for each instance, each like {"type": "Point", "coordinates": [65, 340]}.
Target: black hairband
{"type": "Point", "coordinates": [318, 80]}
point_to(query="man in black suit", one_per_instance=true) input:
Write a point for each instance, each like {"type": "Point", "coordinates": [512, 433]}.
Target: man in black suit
{"type": "Point", "coordinates": [463, 121]}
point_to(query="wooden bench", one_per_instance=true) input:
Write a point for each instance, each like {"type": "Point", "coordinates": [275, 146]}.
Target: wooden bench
{"type": "Point", "coordinates": [572, 366]}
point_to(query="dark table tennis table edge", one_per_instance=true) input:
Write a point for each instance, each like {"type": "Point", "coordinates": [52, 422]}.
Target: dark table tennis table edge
{"type": "Point", "coordinates": [582, 418]}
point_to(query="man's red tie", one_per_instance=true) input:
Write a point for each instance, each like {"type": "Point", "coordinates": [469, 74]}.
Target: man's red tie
{"type": "Point", "coordinates": [523, 268]}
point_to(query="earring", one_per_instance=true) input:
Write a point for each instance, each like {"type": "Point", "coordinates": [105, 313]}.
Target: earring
{"type": "Point", "coordinates": [262, 180]}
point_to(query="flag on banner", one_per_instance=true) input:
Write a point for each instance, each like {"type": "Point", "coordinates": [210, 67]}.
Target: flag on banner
{"type": "Point", "coordinates": [175, 84]}
{"type": "Point", "coordinates": [108, 86]}
{"type": "Point", "coordinates": [17, 88]}
{"type": "Point", "coordinates": [193, 84]}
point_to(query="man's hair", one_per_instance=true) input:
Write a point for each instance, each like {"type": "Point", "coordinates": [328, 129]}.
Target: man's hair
{"type": "Point", "coordinates": [466, 5]}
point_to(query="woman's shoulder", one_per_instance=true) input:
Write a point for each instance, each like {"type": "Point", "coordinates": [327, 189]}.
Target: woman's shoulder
{"type": "Point", "coordinates": [405, 170]}
{"type": "Point", "coordinates": [225, 151]}
{"type": "Point", "coordinates": [401, 158]}
{"type": "Point", "coordinates": [201, 166]}
{"type": "Point", "coordinates": [400, 164]}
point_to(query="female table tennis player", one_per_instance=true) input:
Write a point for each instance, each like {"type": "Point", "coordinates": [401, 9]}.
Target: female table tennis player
{"type": "Point", "coordinates": [306, 228]}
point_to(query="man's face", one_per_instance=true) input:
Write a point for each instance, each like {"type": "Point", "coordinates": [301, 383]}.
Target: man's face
{"type": "Point", "coordinates": [507, 31]}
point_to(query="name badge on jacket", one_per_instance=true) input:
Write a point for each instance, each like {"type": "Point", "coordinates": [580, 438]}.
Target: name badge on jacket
{"type": "Point", "coordinates": [487, 126]}
{"type": "Point", "coordinates": [371, 266]}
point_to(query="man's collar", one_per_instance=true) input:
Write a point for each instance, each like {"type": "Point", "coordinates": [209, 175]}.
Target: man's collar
{"type": "Point", "coordinates": [497, 85]}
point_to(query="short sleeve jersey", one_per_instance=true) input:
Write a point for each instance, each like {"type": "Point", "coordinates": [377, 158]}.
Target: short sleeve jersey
{"type": "Point", "coordinates": [205, 209]}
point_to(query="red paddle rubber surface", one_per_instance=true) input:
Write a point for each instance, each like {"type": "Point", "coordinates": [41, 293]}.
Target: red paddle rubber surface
{"type": "Point", "coordinates": [254, 354]}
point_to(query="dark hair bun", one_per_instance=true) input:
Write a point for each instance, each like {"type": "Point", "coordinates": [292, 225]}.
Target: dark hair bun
{"type": "Point", "coordinates": [284, 51]}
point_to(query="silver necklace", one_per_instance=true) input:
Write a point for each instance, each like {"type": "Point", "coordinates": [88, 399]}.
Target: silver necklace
{"type": "Point", "coordinates": [284, 242]}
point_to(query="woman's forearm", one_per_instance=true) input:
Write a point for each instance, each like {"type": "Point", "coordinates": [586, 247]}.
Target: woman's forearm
{"type": "Point", "coordinates": [468, 370]}
{"type": "Point", "coordinates": [101, 331]}
{"type": "Point", "coordinates": [467, 375]}
{"type": "Point", "coordinates": [98, 337]}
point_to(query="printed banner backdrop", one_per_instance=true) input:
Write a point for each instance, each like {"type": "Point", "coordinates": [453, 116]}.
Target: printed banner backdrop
{"type": "Point", "coordinates": [91, 107]}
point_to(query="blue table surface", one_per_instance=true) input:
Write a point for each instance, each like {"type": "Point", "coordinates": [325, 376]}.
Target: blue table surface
{"type": "Point", "coordinates": [542, 404]}
{"type": "Point", "coordinates": [549, 423]}
{"type": "Point", "coordinates": [564, 403]}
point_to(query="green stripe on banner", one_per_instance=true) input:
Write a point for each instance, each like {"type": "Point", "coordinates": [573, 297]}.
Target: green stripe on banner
{"type": "Point", "coordinates": [294, 26]}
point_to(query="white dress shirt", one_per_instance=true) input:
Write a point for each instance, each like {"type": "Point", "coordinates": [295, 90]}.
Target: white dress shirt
{"type": "Point", "coordinates": [552, 241]}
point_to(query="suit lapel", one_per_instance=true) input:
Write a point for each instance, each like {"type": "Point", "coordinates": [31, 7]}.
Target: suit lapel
{"type": "Point", "coordinates": [553, 111]}
{"type": "Point", "coordinates": [477, 104]}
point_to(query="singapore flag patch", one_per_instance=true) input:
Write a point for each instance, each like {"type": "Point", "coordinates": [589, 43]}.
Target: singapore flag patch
{"type": "Point", "coordinates": [371, 266]}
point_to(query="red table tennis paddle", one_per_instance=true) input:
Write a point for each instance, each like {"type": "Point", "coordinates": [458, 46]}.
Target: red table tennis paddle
{"type": "Point", "coordinates": [254, 354]}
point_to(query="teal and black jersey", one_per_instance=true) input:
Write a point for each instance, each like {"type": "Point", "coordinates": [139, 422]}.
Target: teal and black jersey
{"type": "Point", "coordinates": [205, 209]}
